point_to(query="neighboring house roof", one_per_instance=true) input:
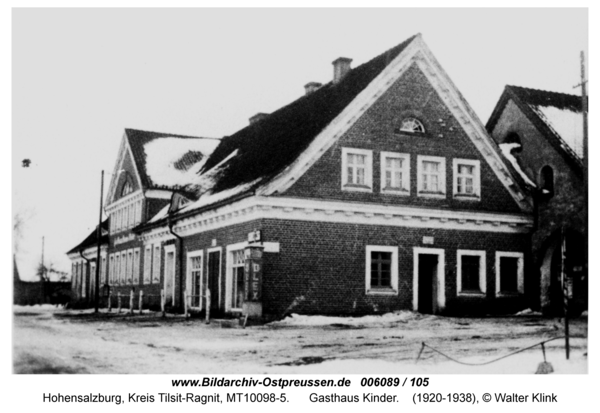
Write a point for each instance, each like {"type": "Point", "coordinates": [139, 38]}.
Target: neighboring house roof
{"type": "Point", "coordinates": [168, 161]}
{"type": "Point", "coordinates": [92, 239]}
{"type": "Point", "coordinates": [558, 116]}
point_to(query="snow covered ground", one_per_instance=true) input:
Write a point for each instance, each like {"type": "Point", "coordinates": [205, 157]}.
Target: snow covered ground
{"type": "Point", "coordinates": [51, 340]}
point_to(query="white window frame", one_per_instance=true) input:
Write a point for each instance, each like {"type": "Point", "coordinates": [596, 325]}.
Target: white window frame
{"type": "Point", "coordinates": [405, 170]}
{"type": "Point", "coordinates": [156, 261]}
{"type": "Point", "coordinates": [230, 249]}
{"type": "Point", "coordinates": [167, 249]}
{"type": "Point", "coordinates": [394, 270]}
{"type": "Point", "coordinates": [103, 269]}
{"type": "Point", "coordinates": [147, 276]}
{"type": "Point", "coordinates": [111, 269]}
{"type": "Point", "coordinates": [188, 279]}
{"type": "Point", "coordinates": [136, 266]}
{"type": "Point", "coordinates": [520, 273]}
{"type": "Point", "coordinates": [441, 181]}
{"type": "Point", "coordinates": [348, 186]}
{"type": "Point", "coordinates": [482, 272]}
{"type": "Point", "coordinates": [441, 276]}
{"type": "Point", "coordinates": [476, 195]}
{"type": "Point", "coordinates": [413, 120]}
{"type": "Point", "coordinates": [123, 275]}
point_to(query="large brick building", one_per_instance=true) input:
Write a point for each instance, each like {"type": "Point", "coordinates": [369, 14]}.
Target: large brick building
{"type": "Point", "coordinates": [541, 134]}
{"type": "Point", "coordinates": [380, 190]}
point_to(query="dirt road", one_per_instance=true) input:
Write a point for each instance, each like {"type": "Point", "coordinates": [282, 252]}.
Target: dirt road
{"type": "Point", "coordinates": [50, 340]}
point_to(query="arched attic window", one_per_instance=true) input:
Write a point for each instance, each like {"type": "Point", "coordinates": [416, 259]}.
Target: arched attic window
{"type": "Point", "coordinates": [514, 138]}
{"type": "Point", "coordinates": [412, 125]}
{"type": "Point", "coordinates": [547, 181]}
{"type": "Point", "coordinates": [127, 188]}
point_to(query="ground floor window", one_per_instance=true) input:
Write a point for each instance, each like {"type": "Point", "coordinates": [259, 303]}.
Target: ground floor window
{"type": "Point", "coordinates": [471, 278]}
{"type": "Point", "coordinates": [194, 284]}
{"type": "Point", "coordinates": [509, 273]}
{"type": "Point", "coordinates": [237, 268]}
{"type": "Point", "coordinates": [381, 270]}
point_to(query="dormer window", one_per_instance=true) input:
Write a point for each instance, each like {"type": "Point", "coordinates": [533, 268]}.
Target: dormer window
{"type": "Point", "coordinates": [412, 125]}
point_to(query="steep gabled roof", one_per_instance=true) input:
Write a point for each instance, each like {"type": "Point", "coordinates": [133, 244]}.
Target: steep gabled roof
{"type": "Point", "coordinates": [557, 116]}
{"type": "Point", "coordinates": [267, 147]}
{"type": "Point", "coordinates": [168, 161]}
{"type": "Point", "coordinates": [92, 239]}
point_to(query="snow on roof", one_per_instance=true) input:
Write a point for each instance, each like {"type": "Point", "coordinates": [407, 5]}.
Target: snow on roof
{"type": "Point", "coordinates": [567, 124]}
{"type": "Point", "coordinates": [161, 214]}
{"type": "Point", "coordinates": [507, 149]}
{"type": "Point", "coordinates": [172, 161]}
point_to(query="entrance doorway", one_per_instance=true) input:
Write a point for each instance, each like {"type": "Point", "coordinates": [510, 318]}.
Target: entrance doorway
{"type": "Point", "coordinates": [214, 275]}
{"type": "Point", "coordinates": [429, 295]}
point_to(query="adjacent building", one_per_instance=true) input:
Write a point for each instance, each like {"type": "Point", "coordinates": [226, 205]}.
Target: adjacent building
{"type": "Point", "coordinates": [541, 135]}
{"type": "Point", "coordinates": [380, 190]}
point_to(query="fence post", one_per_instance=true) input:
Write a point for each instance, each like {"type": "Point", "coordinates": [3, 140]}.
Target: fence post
{"type": "Point", "coordinates": [109, 300]}
{"type": "Point", "coordinates": [119, 302]}
{"type": "Point", "coordinates": [162, 302]}
{"type": "Point", "coordinates": [131, 301]}
{"type": "Point", "coordinates": [141, 303]}
{"type": "Point", "coordinates": [207, 306]}
{"type": "Point", "coordinates": [185, 304]}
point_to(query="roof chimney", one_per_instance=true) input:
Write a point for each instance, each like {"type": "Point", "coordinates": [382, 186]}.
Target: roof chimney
{"type": "Point", "coordinates": [311, 87]}
{"type": "Point", "coordinates": [258, 117]}
{"type": "Point", "coordinates": [341, 67]}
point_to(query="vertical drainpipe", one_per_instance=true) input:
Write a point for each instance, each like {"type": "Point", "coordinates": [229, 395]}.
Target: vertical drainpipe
{"type": "Point", "coordinates": [170, 224]}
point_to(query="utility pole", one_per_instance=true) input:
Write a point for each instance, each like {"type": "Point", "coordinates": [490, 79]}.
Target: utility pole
{"type": "Point", "coordinates": [98, 237]}
{"type": "Point", "coordinates": [43, 268]}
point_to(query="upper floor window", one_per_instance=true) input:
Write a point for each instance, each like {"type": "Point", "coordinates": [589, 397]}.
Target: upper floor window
{"type": "Point", "coordinates": [466, 179]}
{"type": "Point", "coordinates": [547, 181]}
{"type": "Point", "coordinates": [431, 176]}
{"type": "Point", "coordinates": [395, 173]}
{"type": "Point", "coordinates": [357, 169]}
{"type": "Point", "coordinates": [412, 125]}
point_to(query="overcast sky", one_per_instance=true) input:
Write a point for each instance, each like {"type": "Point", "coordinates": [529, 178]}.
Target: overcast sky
{"type": "Point", "coordinates": [81, 76]}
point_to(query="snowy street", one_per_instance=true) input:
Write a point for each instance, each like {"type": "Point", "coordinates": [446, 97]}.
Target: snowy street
{"type": "Point", "coordinates": [51, 340]}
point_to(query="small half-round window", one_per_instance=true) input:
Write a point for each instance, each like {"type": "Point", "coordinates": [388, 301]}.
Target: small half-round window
{"type": "Point", "coordinates": [412, 125]}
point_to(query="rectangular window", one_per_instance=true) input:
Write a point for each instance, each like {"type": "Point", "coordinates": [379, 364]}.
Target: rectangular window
{"type": "Point", "coordinates": [83, 279]}
{"type": "Point", "coordinates": [136, 266]}
{"type": "Point", "coordinates": [237, 271]}
{"type": "Point", "coordinates": [509, 273]}
{"type": "Point", "coordinates": [117, 274]}
{"type": "Point", "coordinates": [471, 278]}
{"type": "Point", "coordinates": [103, 274]}
{"type": "Point", "coordinates": [156, 265]}
{"type": "Point", "coordinates": [139, 212]}
{"type": "Point", "coordinates": [381, 270]}
{"type": "Point", "coordinates": [395, 173]}
{"type": "Point", "coordinates": [123, 274]}
{"type": "Point", "coordinates": [129, 267]}
{"type": "Point", "coordinates": [194, 284]}
{"type": "Point", "coordinates": [111, 269]}
{"type": "Point", "coordinates": [466, 179]}
{"type": "Point", "coordinates": [357, 167]}
{"type": "Point", "coordinates": [147, 264]}
{"type": "Point", "coordinates": [431, 176]}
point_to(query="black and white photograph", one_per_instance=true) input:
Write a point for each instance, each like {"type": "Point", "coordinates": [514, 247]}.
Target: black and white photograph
{"type": "Point", "coordinates": [300, 191]}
